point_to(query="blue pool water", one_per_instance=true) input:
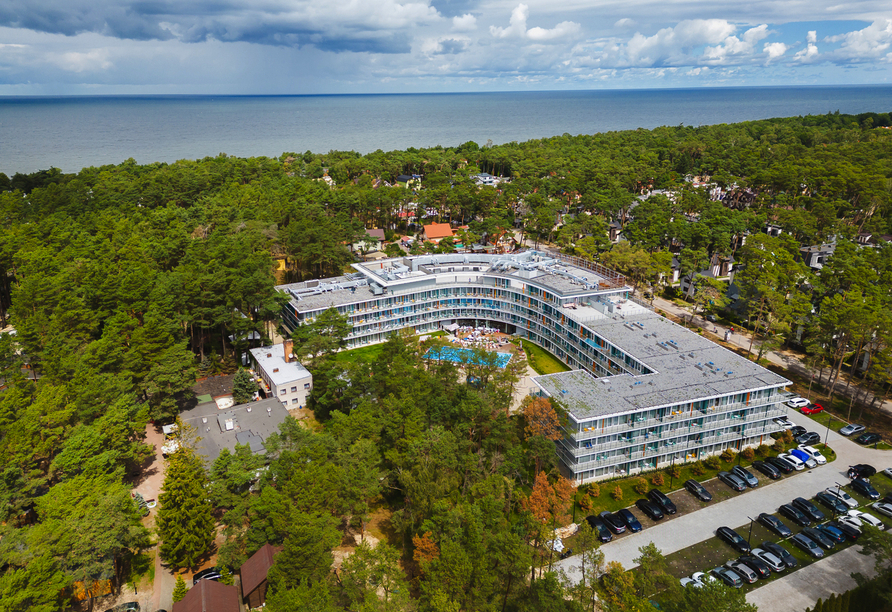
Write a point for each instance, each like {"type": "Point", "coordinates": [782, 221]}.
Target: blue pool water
{"type": "Point", "coordinates": [462, 355]}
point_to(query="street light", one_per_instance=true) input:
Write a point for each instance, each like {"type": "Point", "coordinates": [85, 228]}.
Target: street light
{"type": "Point", "coordinates": [829, 420]}
{"type": "Point", "coordinates": [838, 489]}
{"type": "Point", "coordinates": [672, 471]}
{"type": "Point", "coordinates": [750, 536]}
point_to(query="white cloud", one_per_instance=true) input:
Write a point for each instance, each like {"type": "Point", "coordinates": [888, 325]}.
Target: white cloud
{"type": "Point", "coordinates": [812, 36]}
{"type": "Point", "coordinates": [517, 28]}
{"type": "Point", "coordinates": [774, 50]}
{"type": "Point", "coordinates": [870, 44]}
{"type": "Point", "coordinates": [565, 29]}
{"type": "Point", "coordinates": [734, 47]}
{"type": "Point", "coordinates": [625, 24]}
{"type": "Point", "coordinates": [82, 61]}
{"type": "Point", "coordinates": [465, 23]}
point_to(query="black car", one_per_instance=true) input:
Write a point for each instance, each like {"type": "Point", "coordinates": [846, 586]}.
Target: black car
{"type": "Point", "coordinates": [832, 533]}
{"type": "Point", "coordinates": [867, 438]}
{"type": "Point", "coordinates": [697, 490]}
{"type": "Point", "coordinates": [629, 520]}
{"type": "Point", "coordinates": [797, 430]}
{"type": "Point", "coordinates": [211, 573]}
{"type": "Point", "coordinates": [660, 499]}
{"type": "Point", "coordinates": [847, 530]}
{"type": "Point", "coordinates": [819, 537]}
{"type": "Point", "coordinates": [766, 468]}
{"type": "Point", "coordinates": [782, 553]}
{"type": "Point", "coordinates": [131, 606]}
{"type": "Point", "coordinates": [812, 437]}
{"type": "Point", "coordinates": [832, 503]}
{"type": "Point", "coordinates": [774, 524]}
{"type": "Point", "coordinates": [784, 467]}
{"type": "Point", "coordinates": [808, 509]}
{"type": "Point", "coordinates": [746, 476]}
{"type": "Point", "coordinates": [649, 508]}
{"type": "Point", "coordinates": [733, 538]}
{"type": "Point", "coordinates": [613, 521]}
{"type": "Point", "coordinates": [600, 528]}
{"type": "Point", "coordinates": [862, 470]}
{"type": "Point", "coordinates": [757, 565]}
{"type": "Point", "coordinates": [887, 498]}
{"type": "Point", "coordinates": [732, 481]}
{"type": "Point", "coordinates": [865, 488]}
{"type": "Point", "coordinates": [794, 515]}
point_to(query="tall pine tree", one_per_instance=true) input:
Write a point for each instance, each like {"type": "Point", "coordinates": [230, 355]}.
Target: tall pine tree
{"type": "Point", "coordinates": [185, 520]}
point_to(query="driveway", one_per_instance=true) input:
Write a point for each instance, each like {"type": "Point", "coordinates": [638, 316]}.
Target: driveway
{"type": "Point", "coordinates": [689, 529]}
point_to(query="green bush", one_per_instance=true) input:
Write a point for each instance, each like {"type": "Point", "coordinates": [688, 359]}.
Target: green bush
{"type": "Point", "coordinates": [787, 436]}
{"type": "Point", "coordinates": [594, 490]}
{"type": "Point", "coordinates": [674, 471]}
{"type": "Point", "coordinates": [763, 450]}
{"type": "Point", "coordinates": [698, 469]}
{"type": "Point", "coordinates": [778, 445]}
{"type": "Point", "coordinates": [617, 493]}
{"type": "Point", "coordinates": [713, 462]}
{"type": "Point", "coordinates": [728, 455]}
{"type": "Point", "coordinates": [657, 480]}
{"type": "Point", "coordinates": [748, 453]}
{"type": "Point", "coordinates": [640, 486]}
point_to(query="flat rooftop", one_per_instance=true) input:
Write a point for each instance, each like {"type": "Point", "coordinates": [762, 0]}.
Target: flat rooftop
{"type": "Point", "coordinates": [687, 367]}
{"type": "Point", "coordinates": [249, 424]}
{"type": "Point", "coordinates": [272, 360]}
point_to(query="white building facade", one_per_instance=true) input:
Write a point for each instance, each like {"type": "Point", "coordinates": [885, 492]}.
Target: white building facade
{"type": "Point", "coordinates": [282, 376]}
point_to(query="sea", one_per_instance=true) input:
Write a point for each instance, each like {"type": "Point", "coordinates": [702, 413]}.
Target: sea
{"type": "Point", "coordinates": [71, 133]}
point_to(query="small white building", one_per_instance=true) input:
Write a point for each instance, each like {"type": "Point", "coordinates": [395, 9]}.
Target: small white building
{"type": "Point", "coordinates": [282, 376]}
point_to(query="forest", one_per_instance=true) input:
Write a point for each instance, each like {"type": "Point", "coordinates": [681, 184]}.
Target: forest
{"type": "Point", "coordinates": [125, 283]}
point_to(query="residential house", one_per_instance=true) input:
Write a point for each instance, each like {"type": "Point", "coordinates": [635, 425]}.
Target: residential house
{"type": "Point", "coordinates": [372, 241]}
{"type": "Point", "coordinates": [817, 255]}
{"type": "Point", "coordinates": [282, 376]}
{"type": "Point", "coordinates": [435, 232]}
{"type": "Point", "coordinates": [254, 574]}
{"type": "Point", "coordinates": [209, 596]}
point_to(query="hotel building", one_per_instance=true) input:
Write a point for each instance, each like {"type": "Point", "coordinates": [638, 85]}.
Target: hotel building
{"type": "Point", "coordinates": [643, 391]}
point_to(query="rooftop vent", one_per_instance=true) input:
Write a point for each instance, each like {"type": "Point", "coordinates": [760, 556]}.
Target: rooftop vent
{"type": "Point", "coordinates": [275, 370]}
{"type": "Point", "coordinates": [269, 355]}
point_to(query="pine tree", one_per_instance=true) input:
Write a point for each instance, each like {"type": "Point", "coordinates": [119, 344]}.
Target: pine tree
{"type": "Point", "coordinates": [185, 520]}
{"type": "Point", "coordinates": [243, 387]}
{"type": "Point", "coordinates": [179, 590]}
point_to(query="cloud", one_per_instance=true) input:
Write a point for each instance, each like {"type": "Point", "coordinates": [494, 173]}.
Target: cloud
{"type": "Point", "coordinates": [465, 23]}
{"type": "Point", "coordinates": [517, 28]}
{"type": "Point", "coordinates": [812, 36]}
{"type": "Point", "coordinates": [868, 45]}
{"type": "Point", "coordinates": [625, 24]}
{"type": "Point", "coordinates": [734, 47]}
{"type": "Point", "coordinates": [76, 61]}
{"type": "Point", "coordinates": [774, 50]}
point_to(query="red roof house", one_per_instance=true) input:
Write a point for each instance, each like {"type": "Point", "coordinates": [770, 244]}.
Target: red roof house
{"type": "Point", "coordinates": [437, 231]}
{"type": "Point", "coordinates": [209, 596]}
{"type": "Point", "coordinates": [253, 573]}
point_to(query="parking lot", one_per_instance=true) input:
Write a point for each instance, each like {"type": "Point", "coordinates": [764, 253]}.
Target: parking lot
{"type": "Point", "coordinates": [690, 528]}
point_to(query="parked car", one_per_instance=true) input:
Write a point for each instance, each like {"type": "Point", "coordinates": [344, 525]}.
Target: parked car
{"type": "Point", "coordinates": [887, 498]}
{"type": "Point", "coordinates": [766, 468]}
{"type": "Point", "coordinates": [702, 577]}
{"type": "Point", "coordinates": [797, 402]}
{"type": "Point", "coordinates": [600, 528]}
{"type": "Point", "coordinates": [794, 515]}
{"type": "Point", "coordinates": [808, 509]}
{"type": "Point", "coordinates": [774, 524]}
{"type": "Point", "coordinates": [746, 476]}
{"type": "Point", "coordinates": [629, 519]}
{"type": "Point", "coordinates": [686, 582]}
{"type": "Point", "coordinates": [782, 553]}
{"type": "Point", "coordinates": [660, 499]}
{"type": "Point", "coordinates": [613, 521]}
{"type": "Point", "coordinates": [883, 508]}
{"type": "Point", "coordinates": [794, 461]}
{"type": "Point", "coordinates": [804, 457]}
{"type": "Point", "coordinates": [650, 509]}
{"type": "Point", "coordinates": [832, 533]}
{"type": "Point", "coordinates": [697, 490]}
{"type": "Point", "coordinates": [732, 481]}
{"type": "Point", "coordinates": [130, 606]}
{"type": "Point", "coordinates": [850, 521]}
{"type": "Point", "coordinates": [757, 565]}
{"type": "Point", "coordinates": [831, 502]}
{"type": "Point", "coordinates": [842, 496]}
{"type": "Point", "coordinates": [797, 430]}
{"type": "Point", "coordinates": [743, 570]}
{"type": "Point", "coordinates": [867, 438]}
{"type": "Point", "coordinates": [850, 532]}
{"type": "Point", "coordinates": [888, 472]}
{"type": "Point", "coordinates": [811, 437]}
{"type": "Point", "coordinates": [770, 559]}
{"type": "Point", "coordinates": [784, 467]}
{"type": "Point", "coordinates": [864, 488]}
{"type": "Point", "coordinates": [784, 422]}
{"type": "Point", "coordinates": [808, 545]}
{"type": "Point", "coordinates": [733, 538]}
{"type": "Point", "coordinates": [813, 453]}
{"type": "Point", "coordinates": [852, 429]}
{"type": "Point", "coordinates": [711, 318]}
{"type": "Point", "coordinates": [819, 537]}
{"type": "Point", "coordinates": [211, 573]}
{"type": "Point", "coordinates": [728, 576]}
{"type": "Point", "coordinates": [861, 470]}
{"type": "Point", "coordinates": [812, 409]}
{"type": "Point", "coordinates": [870, 519]}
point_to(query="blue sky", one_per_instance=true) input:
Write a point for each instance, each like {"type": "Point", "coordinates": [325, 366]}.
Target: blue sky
{"type": "Point", "coordinates": [60, 47]}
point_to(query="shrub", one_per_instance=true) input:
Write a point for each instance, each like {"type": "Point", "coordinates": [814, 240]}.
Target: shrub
{"type": "Point", "coordinates": [585, 502]}
{"type": "Point", "coordinates": [617, 493]}
{"type": "Point", "coordinates": [787, 436]}
{"type": "Point", "coordinates": [640, 486]}
{"type": "Point", "coordinates": [657, 480]}
{"type": "Point", "coordinates": [698, 469]}
{"type": "Point", "coordinates": [713, 462]}
{"type": "Point", "coordinates": [674, 471]}
{"type": "Point", "coordinates": [594, 490]}
{"type": "Point", "coordinates": [748, 453]}
{"type": "Point", "coordinates": [728, 455]}
{"type": "Point", "coordinates": [763, 450]}
{"type": "Point", "coordinates": [778, 445]}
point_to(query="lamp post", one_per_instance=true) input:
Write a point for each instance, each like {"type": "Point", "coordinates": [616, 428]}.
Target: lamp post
{"type": "Point", "coordinates": [838, 489]}
{"type": "Point", "coordinates": [826, 435]}
{"type": "Point", "coordinates": [750, 536]}
{"type": "Point", "coordinates": [672, 470]}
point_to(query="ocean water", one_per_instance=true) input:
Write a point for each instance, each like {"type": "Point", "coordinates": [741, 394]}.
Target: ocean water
{"type": "Point", "coordinates": [71, 133]}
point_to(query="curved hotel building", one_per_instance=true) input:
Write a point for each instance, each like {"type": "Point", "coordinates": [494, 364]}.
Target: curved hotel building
{"type": "Point", "coordinates": [643, 391]}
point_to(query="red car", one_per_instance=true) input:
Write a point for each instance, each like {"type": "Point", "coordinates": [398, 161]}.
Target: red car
{"type": "Point", "coordinates": [812, 409]}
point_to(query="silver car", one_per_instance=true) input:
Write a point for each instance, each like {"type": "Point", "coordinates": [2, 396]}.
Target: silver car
{"type": "Point", "coordinates": [851, 430]}
{"type": "Point", "coordinates": [770, 559]}
{"type": "Point", "coordinates": [743, 570]}
{"type": "Point", "coordinates": [842, 496]}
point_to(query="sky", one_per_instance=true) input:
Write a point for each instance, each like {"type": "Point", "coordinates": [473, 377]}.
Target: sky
{"type": "Point", "coordinates": [268, 47]}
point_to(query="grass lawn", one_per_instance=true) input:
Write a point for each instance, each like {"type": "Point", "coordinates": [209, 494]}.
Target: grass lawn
{"type": "Point", "coordinates": [367, 353]}
{"type": "Point", "coordinates": [541, 360]}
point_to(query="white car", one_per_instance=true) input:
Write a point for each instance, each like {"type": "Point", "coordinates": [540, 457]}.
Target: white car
{"type": "Point", "coordinates": [691, 582]}
{"type": "Point", "coordinates": [867, 518]}
{"type": "Point", "coordinates": [769, 559]}
{"type": "Point", "coordinates": [814, 454]}
{"type": "Point", "coordinates": [797, 463]}
{"type": "Point", "coordinates": [842, 496]}
{"type": "Point", "coordinates": [797, 402]}
{"type": "Point", "coordinates": [888, 472]}
{"type": "Point", "coordinates": [702, 577]}
{"type": "Point", "coordinates": [883, 508]}
{"type": "Point", "coordinates": [853, 522]}
{"type": "Point", "coordinates": [784, 422]}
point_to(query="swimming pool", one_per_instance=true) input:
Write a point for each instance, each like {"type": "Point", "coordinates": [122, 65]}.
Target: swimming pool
{"type": "Point", "coordinates": [463, 355]}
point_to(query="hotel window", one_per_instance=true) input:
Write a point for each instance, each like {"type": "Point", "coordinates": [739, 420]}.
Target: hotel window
{"type": "Point", "coordinates": [294, 389]}
{"type": "Point", "coordinates": [306, 385]}
{"type": "Point", "coordinates": [283, 391]}
{"type": "Point", "coordinates": [294, 401]}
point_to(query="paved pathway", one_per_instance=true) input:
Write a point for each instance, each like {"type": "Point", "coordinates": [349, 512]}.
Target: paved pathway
{"type": "Point", "coordinates": [694, 527]}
